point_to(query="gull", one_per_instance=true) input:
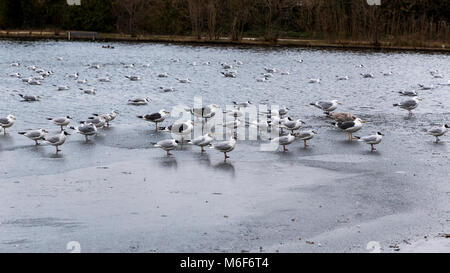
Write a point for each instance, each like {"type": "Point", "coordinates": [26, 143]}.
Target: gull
{"type": "Point", "coordinates": [15, 75]}
{"type": "Point", "coordinates": [167, 145]}
{"type": "Point", "coordinates": [409, 104]}
{"type": "Point", "coordinates": [133, 78]}
{"type": "Point", "coordinates": [341, 116]}
{"type": "Point", "coordinates": [244, 104]}
{"type": "Point", "coordinates": [388, 73]}
{"type": "Point", "coordinates": [238, 62]}
{"type": "Point", "coordinates": [438, 131]}
{"type": "Point", "coordinates": [34, 134]}
{"type": "Point", "coordinates": [284, 141]}
{"type": "Point", "coordinates": [229, 74]}
{"type": "Point", "coordinates": [29, 97]}
{"type": "Point", "coordinates": [225, 147]}
{"type": "Point", "coordinates": [326, 106]}
{"type": "Point", "coordinates": [39, 78]}
{"type": "Point", "coordinates": [300, 60]}
{"type": "Point", "coordinates": [342, 78]}
{"type": "Point", "coordinates": [312, 80]}
{"type": "Point", "coordinates": [236, 113]}
{"type": "Point", "coordinates": [27, 79]}
{"type": "Point", "coordinates": [234, 124]}
{"type": "Point", "coordinates": [292, 125]}
{"type": "Point", "coordinates": [98, 121]}
{"type": "Point", "coordinates": [63, 87]}
{"type": "Point", "coordinates": [205, 112]}
{"type": "Point", "coordinates": [367, 75]}
{"type": "Point", "coordinates": [437, 76]}
{"type": "Point", "coordinates": [105, 79]}
{"type": "Point", "coordinates": [59, 58]}
{"type": "Point", "coordinates": [33, 82]}
{"type": "Point", "coordinates": [350, 126]}
{"type": "Point", "coordinates": [167, 89]}
{"type": "Point", "coordinates": [108, 117]}
{"type": "Point", "coordinates": [138, 101]}
{"type": "Point", "coordinates": [261, 125]}
{"type": "Point", "coordinates": [426, 87]}
{"type": "Point", "coordinates": [146, 65]}
{"type": "Point", "coordinates": [39, 71]}
{"type": "Point", "coordinates": [31, 67]}
{"type": "Point", "coordinates": [128, 65]}
{"type": "Point", "coordinates": [206, 63]}
{"type": "Point", "coordinates": [187, 80]}
{"type": "Point", "coordinates": [360, 66]}
{"type": "Point", "coordinates": [411, 93]}
{"type": "Point", "coordinates": [202, 141]}
{"type": "Point", "coordinates": [86, 129]}
{"type": "Point", "coordinates": [94, 66]}
{"type": "Point", "coordinates": [226, 66]}
{"type": "Point", "coordinates": [155, 117]}
{"type": "Point", "coordinates": [15, 64]}
{"type": "Point", "coordinates": [261, 79]}
{"type": "Point", "coordinates": [91, 91]}
{"type": "Point", "coordinates": [163, 75]}
{"type": "Point", "coordinates": [267, 75]}
{"type": "Point", "coordinates": [181, 129]}
{"type": "Point", "coordinates": [7, 122]}
{"type": "Point", "coordinates": [46, 74]}
{"type": "Point", "coordinates": [445, 83]}
{"type": "Point", "coordinates": [372, 140]}
{"type": "Point", "coordinates": [305, 135]}
{"type": "Point", "coordinates": [56, 140]}
{"type": "Point", "coordinates": [270, 70]}
{"type": "Point", "coordinates": [73, 76]}
{"type": "Point", "coordinates": [61, 121]}
{"type": "Point", "coordinates": [285, 73]}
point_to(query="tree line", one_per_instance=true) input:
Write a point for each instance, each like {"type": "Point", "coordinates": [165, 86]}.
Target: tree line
{"type": "Point", "coordinates": [394, 20]}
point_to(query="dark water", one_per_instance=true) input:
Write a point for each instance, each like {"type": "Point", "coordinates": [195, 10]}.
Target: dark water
{"type": "Point", "coordinates": [407, 175]}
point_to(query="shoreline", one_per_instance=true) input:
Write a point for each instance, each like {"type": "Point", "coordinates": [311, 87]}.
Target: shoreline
{"type": "Point", "coordinates": [247, 41]}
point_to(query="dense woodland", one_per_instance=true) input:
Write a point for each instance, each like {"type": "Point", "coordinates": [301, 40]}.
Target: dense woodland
{"type": "Point", "coordinates": [394, 20]}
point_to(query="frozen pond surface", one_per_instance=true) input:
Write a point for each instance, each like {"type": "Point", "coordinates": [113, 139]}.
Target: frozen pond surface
{"type": "Point", "coordinates": [118, 193]}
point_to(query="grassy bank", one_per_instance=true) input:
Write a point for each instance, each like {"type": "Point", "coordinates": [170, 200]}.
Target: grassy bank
{"type": "Point", "coordinates": [61, 35]}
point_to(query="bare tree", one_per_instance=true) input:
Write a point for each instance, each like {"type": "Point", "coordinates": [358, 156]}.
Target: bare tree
{"type": "Point", "coordinates": [127, 12]}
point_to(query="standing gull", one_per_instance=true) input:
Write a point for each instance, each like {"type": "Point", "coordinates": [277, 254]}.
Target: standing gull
{"type": "Point", "coordinates": [305, 135]}
{"type": "Point", "coordinates": [438, 131]}
{"type": "Point", "coordinates": [62, 121]}
{"type": "Point", "coordinates": [326, 106]}
{"type": "Point", "coordinates": [202, 141]}
{"type": "Point", "coordinates": [57, 140]}
{"type": "Point", "coordinates": [86, 129]}
{"type": "Point", "coordinates": [341, 116]}
{"type": "Point", "coordinates": [7, 122]}
{"type": "Point", "coordinates": [350, 126]}
{"type": "Point", "coordinates": [156, 117]}
{"type": "Point", "coordinates": [34, 134]}
{"type": "Point", "coordinates": [372, 140]}
{"type": "Point", "coordinates": [409, 104]}
{"type": "Point", "coordinates": [292, 125]}
{"type": "Point", "coordinates": [225, 147]}
{"type": "Point", "coordinates": [284, 140]}
{"type": "Point", "coordinates": [167, 145]}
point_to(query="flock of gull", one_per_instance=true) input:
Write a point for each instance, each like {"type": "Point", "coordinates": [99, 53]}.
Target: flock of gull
{"type": "Point", "coordinates": [286, 129]}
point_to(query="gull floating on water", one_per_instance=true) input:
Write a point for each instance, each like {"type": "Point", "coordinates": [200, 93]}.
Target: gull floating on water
{"type": "Point", "coordinates": [156, 117]}
{"type": "Point", "coordinates": [33, 82]}
{"type": "Point", "coordinates": [388, 73]}
{"type": "Point", "coordinates": [202, 141]}
{"type": "Point", "coordinates": [133, 78]}
{"type": "Point", "coordinates": [56, 140]}
{"type": "Point", "coordinates": [350, 126]}
{"type": "Point", "coordinates": [411, 93]}
{"type": "Point", "coordinates": [34, 134]}
{"type": "Point", "coordinates": [271, 70]}
{"type": "Point", "coordinates": [90, 91]}
{"type": "Point", "coordinates": [128, 65]}
{"type": "Point", "coordinates": [342, 78]}
{"type": "Point", "coordinates": [167, 89]}
{"type": "Point", "coordinates": [105, 79]}
{"type": "Point", "coordinates": [326, 106]}
{"type": "Point", "coordinates": [61, 121]}
{"type": "Point", "coordinates": [63, 87]}
{"type": "Point", "coordinates": [438, 131]}
{"type": "Point", "coordinates": [312, 80]}
{"type": "Point", "coordinates": [7, 122]}
{"type": "Point", "coordinates": [73, 76]}
{"type": "Point", "coordinates": [15, 64]}
{"type": "Point", "coordinates": [138, 101]}
{"type": "Point", "coordinates": [409, 104]}
{"type": "Point", "coordinates": [225, 147]}
{"type": "Point", "coordinates": [186, 80]}
{"type": "Point", "coordinates": [163, 75]}
{"type": "Point", "coordinates": [372, 140]}
{"type": "Point", "coordinates": [229, 74]}
{"type": "Point", "coordinates": [94, 66]}
{"type": "Point", "coordinates": [15, 75]}
{"type": "Point", "coordinates": [30, 97]}
{"type": "Point", "coordinates": [426, 87]}
{"type": "Point", "coordinates": [305, 135]}
{"type": "Point", "coordinates": [167, 145]}
{"type": "Point", "coordinates": [367, 75]}
{"type": "Point", "coordinates": [226, 66]}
